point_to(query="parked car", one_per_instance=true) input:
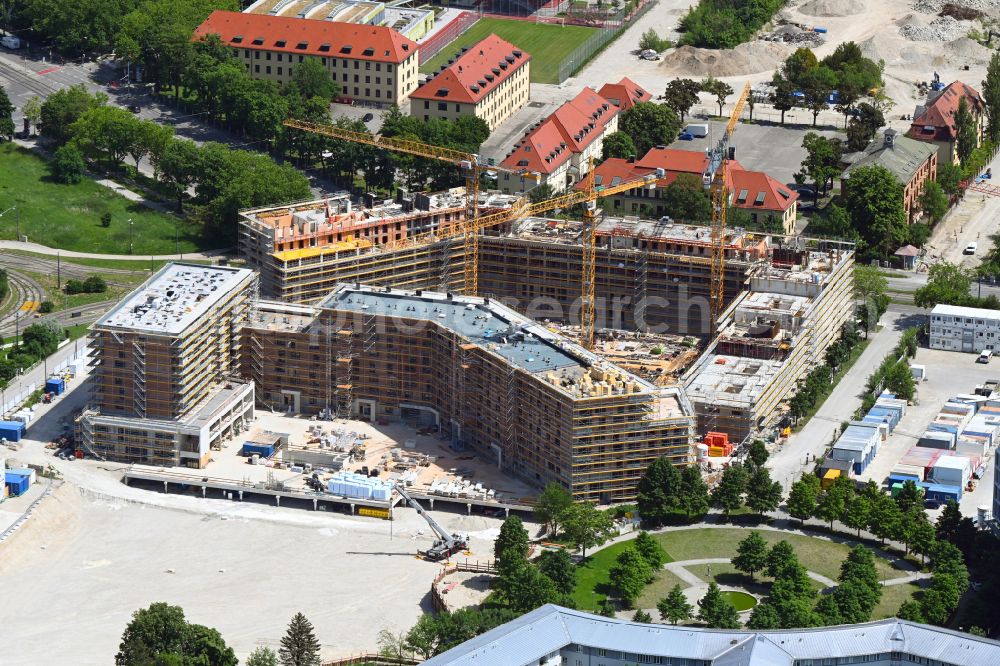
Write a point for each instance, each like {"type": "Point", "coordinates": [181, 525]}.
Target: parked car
{"type": "Point", "coordinates": [985, 356]}
{"type": "Point", "coordinates": [134, 108]}
{"type": "Point", "coordinates": [971, 248]}
{"type": "Point", "coordinates": [368, 117]}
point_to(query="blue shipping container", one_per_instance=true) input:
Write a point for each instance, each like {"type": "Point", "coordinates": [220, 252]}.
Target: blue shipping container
{"type": "Point", "coordinates": [11, 430]}
{"type": "Point", "coordinates": [17, 483]}
{"type": "Point", "coordinates": [263, 450]}
{"type": "Point", "coordinates": [55, 385]}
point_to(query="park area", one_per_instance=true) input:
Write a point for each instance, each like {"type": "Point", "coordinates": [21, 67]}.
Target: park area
{"type": "Point", "coordinates": [698, 556]}
{"type": "Point", "coordinates": [68, 217]}
{"type": "Point", "coordinates": [548, 45]}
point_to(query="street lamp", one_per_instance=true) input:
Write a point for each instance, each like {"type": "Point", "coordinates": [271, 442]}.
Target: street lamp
{"type": "Point", "coordinates": [130, 235]}
{"type": "Point", "coordinates": [17, 220]}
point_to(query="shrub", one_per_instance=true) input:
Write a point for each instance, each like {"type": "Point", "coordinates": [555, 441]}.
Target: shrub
{"type": "Point", "coordinates": [95, 284]}
{"type": "Point", "coordinates": [106, 220]}
{"type": "Point", "coordinates": [67, 165]}
{"type": "Point", "coordinates": [46, 307]}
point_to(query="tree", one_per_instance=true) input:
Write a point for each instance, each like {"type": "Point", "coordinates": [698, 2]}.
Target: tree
{"type": "Point", "coordinates": [32, 113]}
{"type": "Point", "coordinates": [204, 645]}
{"type": "Point", "coordinates": [884, 517]}
{"type": "Point", "coordinates": [965, 128]}
{"type": "Point", "coordinates": [822, 162]}
{"type": "Point", "coordinates": [423, 637]}
{"type": "Point", "coordinates": [41, 340]}
{"type": "Point", "coordinates": [7, 127]}
{"type": "Point", "coordinates": [630, 574]}
{"type": "Point", "coordinates": [651, 550]}
{"type": "Point", "coordinates": [693, 498]}
{"type": "Point", "coordinates": [751, 554]}
{"type": "Point", "coordinates": [949, 176]}
{"type": "Point", "coordinates": [558, 567]}
{"type": "Point", "coordinates": [653, 42]}
{"type": "Point", "coordinates": [833, 502]}
{"type": "Point", "coordinates": [642, 617]}
{"type": "Point", "coordinates": [758, 453]}
{"type": "Point", "coordinates": [148, 138]}
{"type": "Point", "coordinates": [817, 85]}
{"type": "Point", "coordinates": [552, 502]}
{"type": "Point", "coordinates": [921, 533]}
{"type": "Point", "coordinates": [658, 491]}
{"type": "Point", "coordinates": [680, 95]}
{"type": "Point", "coordinates": [106, 131]}
{"type": "Point", "coordinates": [299, 646]}
{"type": "Point", "coordinates": [764, 616]}
{"type": "Point", "coordinates": [511, 546]}
{"type": "Point", "coordinates": [729, 493]}
{"type": "Point", "coordinates": [947, 283]}
{"type": "Point", "coordinates": [161, 628]}
{"type": "Point", "coordinates": [940, 599]}
{"type": "Point", "coordinates": [716, 611]}
{"type": "Point", "coordinates": [618, 144]}
{"type": "Point", "coordinates": [314, 80]}
{"type": "Point", "coordinates": [179, 167]}
{"type": "Point", "coordinates": [540, 193]}
{"type": "Point", "coordinates": [650, 125]}
{"type": "Point", "coordinates": [933, 201]}
{"type": "Point", "coordinates": [802, 497]}
{"type": "Point", "coordinates": [783, 95]}
{"type": "Point", "coordinates": [606, 608]}
{"type": "Point", "coordinates": [780, 559]}
{"type": "Point", "coordinates": [522, 587]}
{"type": "Point", "coordinates": [763, 494]}
{"type": "Point", "coordinates": [857, 512]}
{"type": "Point", "coordinates": [991, 95]}
{"type": "Point", "coordinates": [899, 380]}
{"type": "Point", "coordinates": [797, 65]}
{"type": "Point", "coordinates": [586, 526]}
{"type": "Point", "coordinates": [859, 568]}
{"type": "Point", "coordinates": [67, 165]}
{"type": "Point", "coordinates": [264, 656]}
{"type": "Point", "coordinates": [910, 610]}
{"type": "Point", "coordinates": [62, 108]}
{"type": "Point", "coordinates": [674, 607]}
{"type": "Point", "coordinates": [687, 199]}
{"type": "Point", "coordinates": [874, 200]}
{"type": "Point", "coordinates": [720, 89]}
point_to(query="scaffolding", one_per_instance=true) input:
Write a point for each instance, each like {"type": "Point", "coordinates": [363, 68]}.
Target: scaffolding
{"type": "Point", "coordinates": [344, 391]}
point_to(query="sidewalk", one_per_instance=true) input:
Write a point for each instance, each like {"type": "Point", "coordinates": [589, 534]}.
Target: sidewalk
{"type": "Point", "coordinates": [44, 249]}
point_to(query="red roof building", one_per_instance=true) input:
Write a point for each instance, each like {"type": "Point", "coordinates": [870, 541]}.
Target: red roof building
{"type": "Point", "coordinates": [560, 147]}
{"type": "Point", "coordinates": [625, 94]}
{"type": "Point", "coordinates": [488, 80]}
{"type": "Point", "coordinates": [760, 195]}
{"type": "Point", "coordinates": [369, 63]}
{"type": "Point", "coordinates": [935, 122]}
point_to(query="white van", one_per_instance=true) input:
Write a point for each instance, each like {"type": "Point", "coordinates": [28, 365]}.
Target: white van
{"type": "Point", "coordinates": [10, 42]}
{"type": "Point", "coordinates": [971, 248]}
{"type": "Point", "coordinates": [697, 130]}
{"type": "Point", "coordinates": [985, 356]}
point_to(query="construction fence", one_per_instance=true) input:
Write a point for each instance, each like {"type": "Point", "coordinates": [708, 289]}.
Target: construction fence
{"type": "Point", "coordinates": [17, 392]}
{"type": "Point", "coordinates": [445, 36]}
{"type": "Point", "coordinates": [610, 30]}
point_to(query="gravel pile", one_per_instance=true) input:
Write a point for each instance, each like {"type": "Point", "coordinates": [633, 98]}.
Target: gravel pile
{"type": "Point", "coordinates": [941, 29]}
{"type": "Point", "coordinates": [934, 6]}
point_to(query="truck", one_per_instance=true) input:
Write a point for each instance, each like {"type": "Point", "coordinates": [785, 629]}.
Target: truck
{"type": "Point", "coordinates": [10, 42]}
{"type": "Point", "coordinates": [699, 131]}
{"type": "Point", "coordinates": [446, 543]}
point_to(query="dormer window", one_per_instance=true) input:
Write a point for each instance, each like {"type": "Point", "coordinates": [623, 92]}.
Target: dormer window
{"type": "Point", "coordinates": [280, 43]}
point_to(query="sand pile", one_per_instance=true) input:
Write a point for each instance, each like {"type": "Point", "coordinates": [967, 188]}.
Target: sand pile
{"type": "Point", "coordinates": [963, 47]}
{"type": "Point", "coordinates": [832, 7]}
{"type": "Point", "coordinates": [934, 6]}
{"type": "Point", "coordinates": [941, 29]}
{"type": "Point", "coordinates": [748, 58]}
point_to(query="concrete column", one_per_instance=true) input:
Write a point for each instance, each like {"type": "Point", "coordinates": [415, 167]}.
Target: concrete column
{"type": "Point", "coordinates": [277, 500]}
{"type": "Point", "coordinates": [352, 509]}
{"type": "Point", "coordinates": [432, 503]}
{"type": "Point", "coordinates": [506, 512]}
{"type": "Point", "coordinates": [241, 495]}
{"type": "Point", "coordinates": [468, 508]}
{"type": "Point", "coordinates": [204, 489]}
{"type": "Point", "coordinates": [165, 483]}
{"type": "Point", "coordinates": [315, 505]}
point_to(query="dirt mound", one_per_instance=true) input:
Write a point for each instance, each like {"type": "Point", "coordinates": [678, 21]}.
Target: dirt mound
{"type": "Point", "coordinates": [832, 7]}
{"type": "Point", "coordinates": [748, 58]}
{"type": "Point", "coordinates": [963, 47]}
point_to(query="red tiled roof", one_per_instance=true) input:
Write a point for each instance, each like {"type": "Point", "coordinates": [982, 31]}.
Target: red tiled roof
{"type": "Point", "coordinates": [625, 94]}
{"type": "Point", "coordinates": [940, 113]}
{"type": "Point", "coordinates": [570, 129]}
{"type": "Point", "coordinates": [669, 159]}
{"type": "Point", "coordinates": [316, 38]}
{"type": "Point", "coordinates": [475, 74]}
{"type": "Point", "coordinates": [749, 187]}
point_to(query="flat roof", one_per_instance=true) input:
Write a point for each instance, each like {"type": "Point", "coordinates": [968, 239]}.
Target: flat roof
{"type": "Point", "coordinates": [174, 298]}
{"type": "Point", "coordinates": [728, 379]}
{"type": "Point", "coordinates": [960, 311]}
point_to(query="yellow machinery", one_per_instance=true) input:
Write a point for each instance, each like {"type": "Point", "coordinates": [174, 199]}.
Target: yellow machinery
{"type": "Point", "coordinates": [715, 178]}
{"type": "Point", "coordinates": [475, 223]}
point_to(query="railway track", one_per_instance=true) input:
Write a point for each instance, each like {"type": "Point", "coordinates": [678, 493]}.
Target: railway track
{"type": "Point", "coordinates": [26, 294]}
{"type": "Point", "coordinates": [66, 268]}
{"type": "Point", "coordinates": [84, 314]}
{"type": "Point", "coordinates": [31, 82]}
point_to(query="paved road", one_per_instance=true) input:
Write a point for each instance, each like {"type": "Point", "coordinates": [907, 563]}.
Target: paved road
{"type": "Point", "coordinates": [44, 249]}
{"type": "Point", "coordinates": [790, 460]}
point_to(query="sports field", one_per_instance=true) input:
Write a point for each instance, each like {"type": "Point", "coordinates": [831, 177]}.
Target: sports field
{"type": "Point", "coordinates": [548, 45]}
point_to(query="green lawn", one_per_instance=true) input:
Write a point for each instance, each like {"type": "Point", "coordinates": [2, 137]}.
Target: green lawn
{"type": "Point", "coordinates": [137, 264]}
{"type": "Point", "coordinates": [815, 554]}
{"type": "Point", "coordinates": [592, 580]}
{"type": "Point", "coordinates": [892, 598]}
{"type": "Point", "coordinates": [548, 45]}
{"type": "Point", "coordinates": [68, 216]}
{"type": "Point", "coordinates": [63, 301]}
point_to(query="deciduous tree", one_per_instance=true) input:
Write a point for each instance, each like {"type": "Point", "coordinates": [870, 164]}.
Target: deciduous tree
{"type": "Point", "coordinates": [558, 567]}
{"type": "Point", "coordinates": [587, 526]}
{"type": "Point", "coordinates": [763, 494]}
{"type": "Point", "coordinates": [802, 497]}
{"type": "Point", "coordinates": [650, 125]}
{"type": "Point", "coordinates": [968, 134]}
{"type": "Point", "coordinates": [716, 611]}
{"type": "Point", "coordinates": [751, 554]}
{"type": "Point", "coordinates": [681, 95]}
{"type": "Point", "coordinates": [630, 574]}
{"type": "Point", "coordinates": [618, 144]}
{"type": "Point", "coordinates": [729, 493]}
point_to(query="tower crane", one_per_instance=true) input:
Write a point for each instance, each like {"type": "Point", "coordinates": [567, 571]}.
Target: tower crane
{"type": "Point", "coordinates": [469, 163]}
{"type": "Point", "coordinates": [715, 179]}
{"type": "Point", "coordinates": [475, 223]}
{"type": "Point", "coordinates": [446, 544]}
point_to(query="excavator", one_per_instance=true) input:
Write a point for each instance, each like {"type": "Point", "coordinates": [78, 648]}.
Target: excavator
{"type": "Point", "coordinates": [446, 544]}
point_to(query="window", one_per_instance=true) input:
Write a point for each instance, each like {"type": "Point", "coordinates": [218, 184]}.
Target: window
{"type": "Point", "coordinates": [279, 57]}
{"type": "Point", "coordinates": [279, 72]}
{"type": "Point", "coordinates": [301, 58]}
{"type": "Point", "coordinates": [268, 56]}
{"type": "Point", "coordinates": [427, 104]}
{"type": "Point", "coordinates": [268, 71]}
{"type": "Point", "coordinates": [442, 106]}
{"type": "Point", "coordinates": [256, 69]}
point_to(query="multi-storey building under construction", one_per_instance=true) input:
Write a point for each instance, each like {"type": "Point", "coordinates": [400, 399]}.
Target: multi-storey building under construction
{"type": "Point", "coordinates": [165, 368]}
{"type": "Point", "coordinates": [489, 378]}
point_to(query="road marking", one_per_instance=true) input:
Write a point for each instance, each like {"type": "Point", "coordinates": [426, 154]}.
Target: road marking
{"type": "Point", "coordinates": [49, 70]}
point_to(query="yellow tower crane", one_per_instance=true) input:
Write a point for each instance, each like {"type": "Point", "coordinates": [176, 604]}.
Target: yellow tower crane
{"type": "Point", "coordinates": [715, 178]}
{"type": "Point", "coordinates": [468, 163]}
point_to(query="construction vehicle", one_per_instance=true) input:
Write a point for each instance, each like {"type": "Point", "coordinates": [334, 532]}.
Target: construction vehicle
{"type": "Point", "coordinates": [446, 544]}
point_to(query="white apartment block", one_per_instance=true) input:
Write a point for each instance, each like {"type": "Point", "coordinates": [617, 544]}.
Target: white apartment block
{"type": "Point", "coordinates": [956, 328]}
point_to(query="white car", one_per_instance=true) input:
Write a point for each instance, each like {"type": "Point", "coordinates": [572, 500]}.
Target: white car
{"type": "Point", "coordinates": [971, 248]}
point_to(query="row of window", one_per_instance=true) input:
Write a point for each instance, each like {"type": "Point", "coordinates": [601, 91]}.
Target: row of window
{"type": "Point", "coordinates": [328, 62]}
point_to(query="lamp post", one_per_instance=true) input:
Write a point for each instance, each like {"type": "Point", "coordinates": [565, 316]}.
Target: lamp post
{"type": "Point", "coordinates": [130, 235]}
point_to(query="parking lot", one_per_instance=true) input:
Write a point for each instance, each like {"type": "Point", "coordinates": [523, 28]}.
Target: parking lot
{"type": "Point", "coordinates": [948, 374]}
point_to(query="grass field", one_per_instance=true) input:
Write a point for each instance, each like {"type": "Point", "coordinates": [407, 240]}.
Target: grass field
{"type": "Point", "coordinates": [69, 216]}
{"type": "Point", "coordinates": [63, 301]}
{"type": "Point", "coordinates": [548, 45]}
{"type": "Point", "coordinates": [136, 265]}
